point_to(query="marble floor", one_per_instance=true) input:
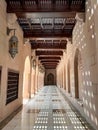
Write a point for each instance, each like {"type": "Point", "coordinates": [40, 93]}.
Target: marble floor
{"type": "Point", "coordinates": [48, 110]}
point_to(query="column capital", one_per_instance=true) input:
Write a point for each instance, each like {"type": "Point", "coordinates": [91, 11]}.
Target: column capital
{"type": "Point", "coordinates": [11, 19]}
{"type": "Point", "coordinates": [69, 40]}
{"type": "Point", "coordinates": [80, 17]}
{"type": "Point", "coordinates": [26, 40]}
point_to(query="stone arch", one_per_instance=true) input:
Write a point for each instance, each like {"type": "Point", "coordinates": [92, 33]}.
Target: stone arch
{"type": "Point", "coordinates": [50, 79]}
{"type": "Point", "coordinates": [68, 75]}
{"type": "Point", "coordinates": [77, 73]}
{"type": "Point", "coordinates": [65, 77]}
{"type": "Point", "coordinates": [26, 78]}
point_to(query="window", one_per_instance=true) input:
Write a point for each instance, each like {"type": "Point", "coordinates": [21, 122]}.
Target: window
{"type": "Point", "coordinates": [12, 86]}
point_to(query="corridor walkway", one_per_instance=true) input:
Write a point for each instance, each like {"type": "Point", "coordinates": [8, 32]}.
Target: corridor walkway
{"type": "Point", "coordinates": [47, 111]}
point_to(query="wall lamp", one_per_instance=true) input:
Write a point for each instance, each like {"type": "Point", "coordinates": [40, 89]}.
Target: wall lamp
{"type": "Point", "coordinates": [13, 43]}
{"type": "Point", "coordinates": [41, 68]}
{"type": "Point", "coordinates": [34, 63]}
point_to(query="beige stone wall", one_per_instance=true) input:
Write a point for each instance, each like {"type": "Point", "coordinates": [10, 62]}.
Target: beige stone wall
{"type": "Point", "coordinates": [85, 41]}
{"type": "Point", "coordinates": [6, 62]}
{"type": "Point", "coordinates": [40, 80]}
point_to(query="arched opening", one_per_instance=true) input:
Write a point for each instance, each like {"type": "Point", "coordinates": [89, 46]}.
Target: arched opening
{"type": "Point", "coordinates": [62, 79]}
{"type": "Point", "coordinates": [77, 74]}
{"type": "Point", "coordinates": [68, 69]}
{"type": "Point", "coordinates": [65, 77]}
{"type": "Point", "coordinates": [50, 79]}
{"type": "Point", "coordinates": [26, 78]}
{"type": "Point", "coordinates": [33, 82]}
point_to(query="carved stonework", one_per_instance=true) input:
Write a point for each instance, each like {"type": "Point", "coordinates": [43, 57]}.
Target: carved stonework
{"type": "Point", "coordinates": [11, 19]}
{"type": "Point", "coordinates": [80, 17]}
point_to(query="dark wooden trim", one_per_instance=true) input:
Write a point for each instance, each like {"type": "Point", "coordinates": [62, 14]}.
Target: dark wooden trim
{"type": "Point", "coordinates": [10, 117]}
{"type": "Point", "coordinates": [12, 85]}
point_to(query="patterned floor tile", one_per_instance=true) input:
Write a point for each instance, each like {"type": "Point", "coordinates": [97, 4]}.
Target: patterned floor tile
{"type": "Point", "coordinates": [48, 110]}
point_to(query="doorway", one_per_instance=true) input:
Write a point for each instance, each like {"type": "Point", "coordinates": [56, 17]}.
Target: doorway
{"type": "Point", "coordinates": [50, 79]}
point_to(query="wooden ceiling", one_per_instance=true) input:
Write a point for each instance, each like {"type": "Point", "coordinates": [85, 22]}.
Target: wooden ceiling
{"type": "Point", "coordinates": [49, 51]}
{"type": "Point", "coordinates": [45, 5]}
{"type": "Point", "coordinates": [47, 19]}
{"type": "Point", "coordinates": [47, 26]}
{"type": "Point", "coordinates": [48, 44]}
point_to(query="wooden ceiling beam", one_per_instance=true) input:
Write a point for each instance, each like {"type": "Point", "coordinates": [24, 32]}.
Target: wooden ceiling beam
{"type": "Point", "coordinates": [49, 58]}
{"type": "Point", "coordinates": [50, 45]}
{"type": "Point", "coordinates": [29, 6]}
{"type": "Point", "coordinates": [39, 53]}
{"type": "Point", "coordinates": [52, 67]}
{"type": "Point", "coordinates": [53, 14]}
{"type": "Point", "coordinates": [30, 34]}
{"type": "Point", "coordinates": [16, 10]}
{"type": "Point", "coordinates": [52, 64]}
{"type": "Point", "coordinates": [51, 61]}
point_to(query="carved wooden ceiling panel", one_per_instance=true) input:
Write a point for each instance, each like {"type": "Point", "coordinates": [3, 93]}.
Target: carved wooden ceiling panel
{"type": "Point", "coordinates": [47, 27]}
{"type": "Point", "coordinates": [48, 44]}
{"type": "Point", "coordinates": [47, 19]}
{"type": "Point", "coordinates": [45, 5]}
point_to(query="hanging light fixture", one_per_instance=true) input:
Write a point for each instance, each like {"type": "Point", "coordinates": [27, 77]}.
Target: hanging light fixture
{"type": "Point", "coordinates": [13, 43]}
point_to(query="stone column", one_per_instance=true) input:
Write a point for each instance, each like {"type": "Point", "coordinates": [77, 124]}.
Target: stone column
{"type": "Point", "coordinates": [36, 76]}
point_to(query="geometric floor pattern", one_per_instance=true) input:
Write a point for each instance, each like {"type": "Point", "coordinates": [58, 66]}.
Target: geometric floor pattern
{"type": "Point", "coordinates": [48, 110]}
